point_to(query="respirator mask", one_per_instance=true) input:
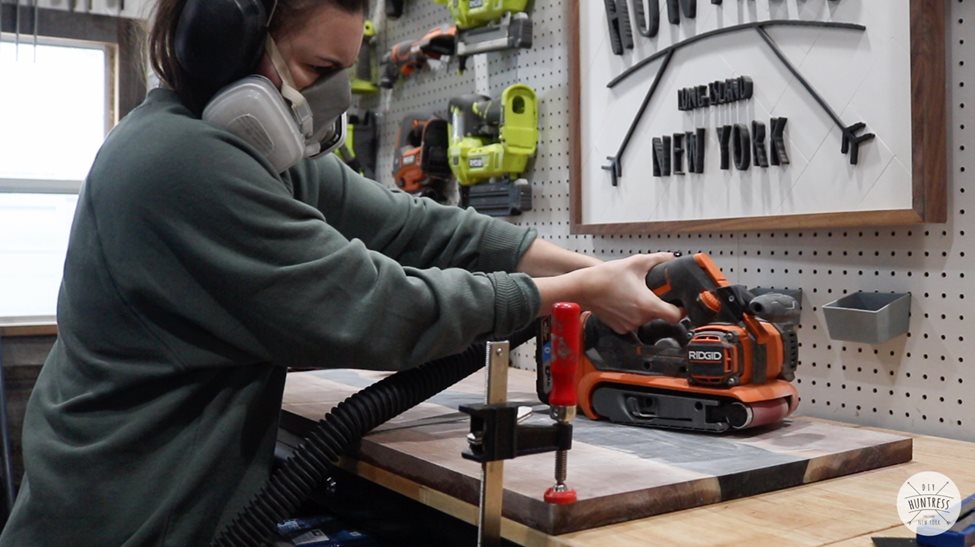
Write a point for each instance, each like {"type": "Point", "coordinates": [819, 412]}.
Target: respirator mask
{"type": "Point", "coordinates": [286, 125]}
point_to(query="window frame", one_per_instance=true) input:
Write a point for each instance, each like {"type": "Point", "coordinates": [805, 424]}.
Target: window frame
{"type": "Point", "coordinates": [127, 76]}
{"type": "Point", "coordinates": [121, 39]}
{"type": "Point", "coordinates": [66, 186]}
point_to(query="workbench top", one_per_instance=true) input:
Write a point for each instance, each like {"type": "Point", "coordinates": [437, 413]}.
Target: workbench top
{"type": "Point", "coordinates": [708, 490]}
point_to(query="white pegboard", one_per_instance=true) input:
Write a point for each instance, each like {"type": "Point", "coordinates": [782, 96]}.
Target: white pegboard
{"type": "Point", "coordinates": [922, 382]}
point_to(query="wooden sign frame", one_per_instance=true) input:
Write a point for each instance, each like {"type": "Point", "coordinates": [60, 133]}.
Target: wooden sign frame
{"type": "Point", "coordinates": [929, 147]}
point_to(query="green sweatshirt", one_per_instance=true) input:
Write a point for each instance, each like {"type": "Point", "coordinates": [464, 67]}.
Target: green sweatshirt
{"type": "Point", "coordinates": [194, 276]}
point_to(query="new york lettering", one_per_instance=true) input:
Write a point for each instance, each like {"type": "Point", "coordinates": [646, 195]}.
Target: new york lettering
{"type": "Point", "coordinates": [739, 146]}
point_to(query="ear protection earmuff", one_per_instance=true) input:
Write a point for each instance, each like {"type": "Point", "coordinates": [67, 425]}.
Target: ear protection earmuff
{"type": "Point", "coordinates": [220, 41]}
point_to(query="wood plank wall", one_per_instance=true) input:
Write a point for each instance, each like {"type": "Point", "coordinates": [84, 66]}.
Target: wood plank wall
{"type": "Point", "coordinates": [22, 357]}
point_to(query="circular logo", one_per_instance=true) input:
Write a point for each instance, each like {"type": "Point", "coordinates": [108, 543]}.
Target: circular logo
{"type": "Point", "coordinates": [928, 503]}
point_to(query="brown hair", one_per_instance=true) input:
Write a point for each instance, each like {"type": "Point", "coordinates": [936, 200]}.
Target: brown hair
{"type": "Point", "coordinates": [161, 42]}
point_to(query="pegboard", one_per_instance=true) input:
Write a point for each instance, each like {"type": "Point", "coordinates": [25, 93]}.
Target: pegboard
{"type": "Point", "coordinates": [920, 382]}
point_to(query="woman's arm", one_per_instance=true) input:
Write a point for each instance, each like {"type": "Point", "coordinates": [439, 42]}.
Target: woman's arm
{"type": "Point", "coordinates": [545, 259]}
{"type": "Point", "coordinates": [222, 251]}
{"type": "Point", "coordinates": [423, 234]}
{"type": "Point", "coordinates": [616, 291]}
{"type": "Point", "coordinates": [413, 231]}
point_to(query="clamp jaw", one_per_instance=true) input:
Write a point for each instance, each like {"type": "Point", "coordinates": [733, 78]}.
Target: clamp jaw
{"type": "Point", "coordinates": [496, 434]}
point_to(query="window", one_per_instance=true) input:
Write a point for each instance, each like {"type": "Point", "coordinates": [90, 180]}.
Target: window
{"type": "Point", "coordinates": [33, 239]}
{"type": "Point", "coordinates": [55, 112]}
{"type": "Point", "coordinates": [54, 106]}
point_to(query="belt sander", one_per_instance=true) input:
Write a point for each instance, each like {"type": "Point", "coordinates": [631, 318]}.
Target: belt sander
{"type": "Point", "coordinates": [728, 365]}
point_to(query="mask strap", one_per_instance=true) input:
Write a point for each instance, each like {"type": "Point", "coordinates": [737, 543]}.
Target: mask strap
{"type": "Point", "coordinates": [299, 105]}
{"type": "Point", "coordinates": [270, 15]}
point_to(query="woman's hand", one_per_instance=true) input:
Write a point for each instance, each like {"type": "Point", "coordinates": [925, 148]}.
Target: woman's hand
{"type": "Point", "coordinates": [616, 292]}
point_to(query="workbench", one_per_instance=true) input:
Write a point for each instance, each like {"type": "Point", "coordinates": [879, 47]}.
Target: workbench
{"type": "Point", "coordinates": [846, 510]}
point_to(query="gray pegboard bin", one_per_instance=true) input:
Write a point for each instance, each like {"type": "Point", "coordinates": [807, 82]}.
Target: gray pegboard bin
{"type": "Point", "coordinates": [868, 318]}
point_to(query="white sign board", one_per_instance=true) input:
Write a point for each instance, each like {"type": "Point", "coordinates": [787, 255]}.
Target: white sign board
{"type": "Point", "coordinates": [758, 113]}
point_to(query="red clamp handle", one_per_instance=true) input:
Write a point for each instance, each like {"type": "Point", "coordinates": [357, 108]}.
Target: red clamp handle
{"type": "Point", "coordinates": [566, 343]}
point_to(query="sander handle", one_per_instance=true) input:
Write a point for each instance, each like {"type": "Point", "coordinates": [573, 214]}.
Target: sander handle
{"type": "Point", "coordinates": [691, 283]}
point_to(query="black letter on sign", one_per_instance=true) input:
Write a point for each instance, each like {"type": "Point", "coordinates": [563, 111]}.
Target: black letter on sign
{"type": "Point", "coordinates": [758, 144]}
{"type": "Point", "coordinates": [673, 12]}
{"type": "Point", "coordinates": [689, 7]}
{"type": "Point", "coordinates": [743, 147]}
{"type": "Point", "coordinates": [716, 2]}
{"type": "Point", "coordinates": [780, 156]}
{"type": "Point", "coordinates": [724, 138]}
{"type": "Point", "coordinates": [852, 141]}
{"type": "Point", "coordinates": [678, 153]}
{"type": "Point", "coordinates": [618, 18]}
{"type": "Point", "coordinates": [626, 30]}
{"type": "Point", "coordinates": [661, 157]}
{"type": "Point", "coordinates": [734, 87]}
{"type": "Point", "coordinates": [647, 27]}
{"type": "Point", "coordinates": [695, 151]}
{"type": "Point", "coordinates": [747, 87]}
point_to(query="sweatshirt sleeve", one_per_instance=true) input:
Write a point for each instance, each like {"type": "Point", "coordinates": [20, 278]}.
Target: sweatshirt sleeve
{"type": "Point", "coordinates": [414, 231]}
{"type": "Point", "coordinates": [216, 244]}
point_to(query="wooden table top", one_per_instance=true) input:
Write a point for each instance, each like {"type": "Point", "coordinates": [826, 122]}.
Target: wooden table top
{"type": "Point", "coordinates": [847, 510]}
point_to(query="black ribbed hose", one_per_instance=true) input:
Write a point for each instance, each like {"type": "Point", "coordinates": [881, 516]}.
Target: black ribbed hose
{"type": "Point", "coordinates": [339, 430]}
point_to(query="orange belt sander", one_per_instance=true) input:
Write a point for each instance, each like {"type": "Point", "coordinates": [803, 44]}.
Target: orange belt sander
{"type": "Point", "coordinates": [728, 365]}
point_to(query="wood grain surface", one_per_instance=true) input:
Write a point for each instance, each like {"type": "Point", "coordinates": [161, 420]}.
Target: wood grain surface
{"type": "Point", "coordinates": [621, 473]}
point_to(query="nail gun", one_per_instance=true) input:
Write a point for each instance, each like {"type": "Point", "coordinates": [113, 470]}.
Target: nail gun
{"type": "Point", "coordinates": [408, 56]}
{"type": "Point", "coordinates": [364, 77]}
{"type": "Point", "coordinates": [361, 142]}
{"type": "Point", "coordinates": [727, 366]}
{"type": "Point", "coordinates": [491, 141]}
{"type": "Point", "coordinates": [489, 25]}
{"type": "Point", "coordinates": [420, 162]}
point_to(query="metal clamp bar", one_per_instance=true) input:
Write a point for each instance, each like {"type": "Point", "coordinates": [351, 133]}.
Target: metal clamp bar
{"type": "Point", "coordinates": [492, 473]}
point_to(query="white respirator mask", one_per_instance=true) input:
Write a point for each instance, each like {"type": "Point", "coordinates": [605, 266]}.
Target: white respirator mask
{"type": "Point", "coordinates": [286, 125]}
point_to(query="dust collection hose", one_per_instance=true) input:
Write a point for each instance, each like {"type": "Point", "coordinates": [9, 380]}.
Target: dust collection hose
{"type": "Point", "coordinates": [338, 431]}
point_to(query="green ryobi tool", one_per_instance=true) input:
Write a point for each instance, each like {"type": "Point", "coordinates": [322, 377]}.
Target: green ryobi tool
{"type": "Point", "coordinates": [361, 143]}
{"type": "Point", "coordinates": [491, 142]}
{"type": "Point", "coordinates": [367, 68]}
{"type": "Point", "coordinates": [489, 25]}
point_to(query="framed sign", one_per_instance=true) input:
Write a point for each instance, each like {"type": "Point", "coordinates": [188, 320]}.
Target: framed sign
{"type": "Point", "coordinates": [696, 115]}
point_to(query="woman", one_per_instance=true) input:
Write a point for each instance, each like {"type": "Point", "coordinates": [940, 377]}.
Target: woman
{"type": "Point", "coordinates": [196, 273]}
